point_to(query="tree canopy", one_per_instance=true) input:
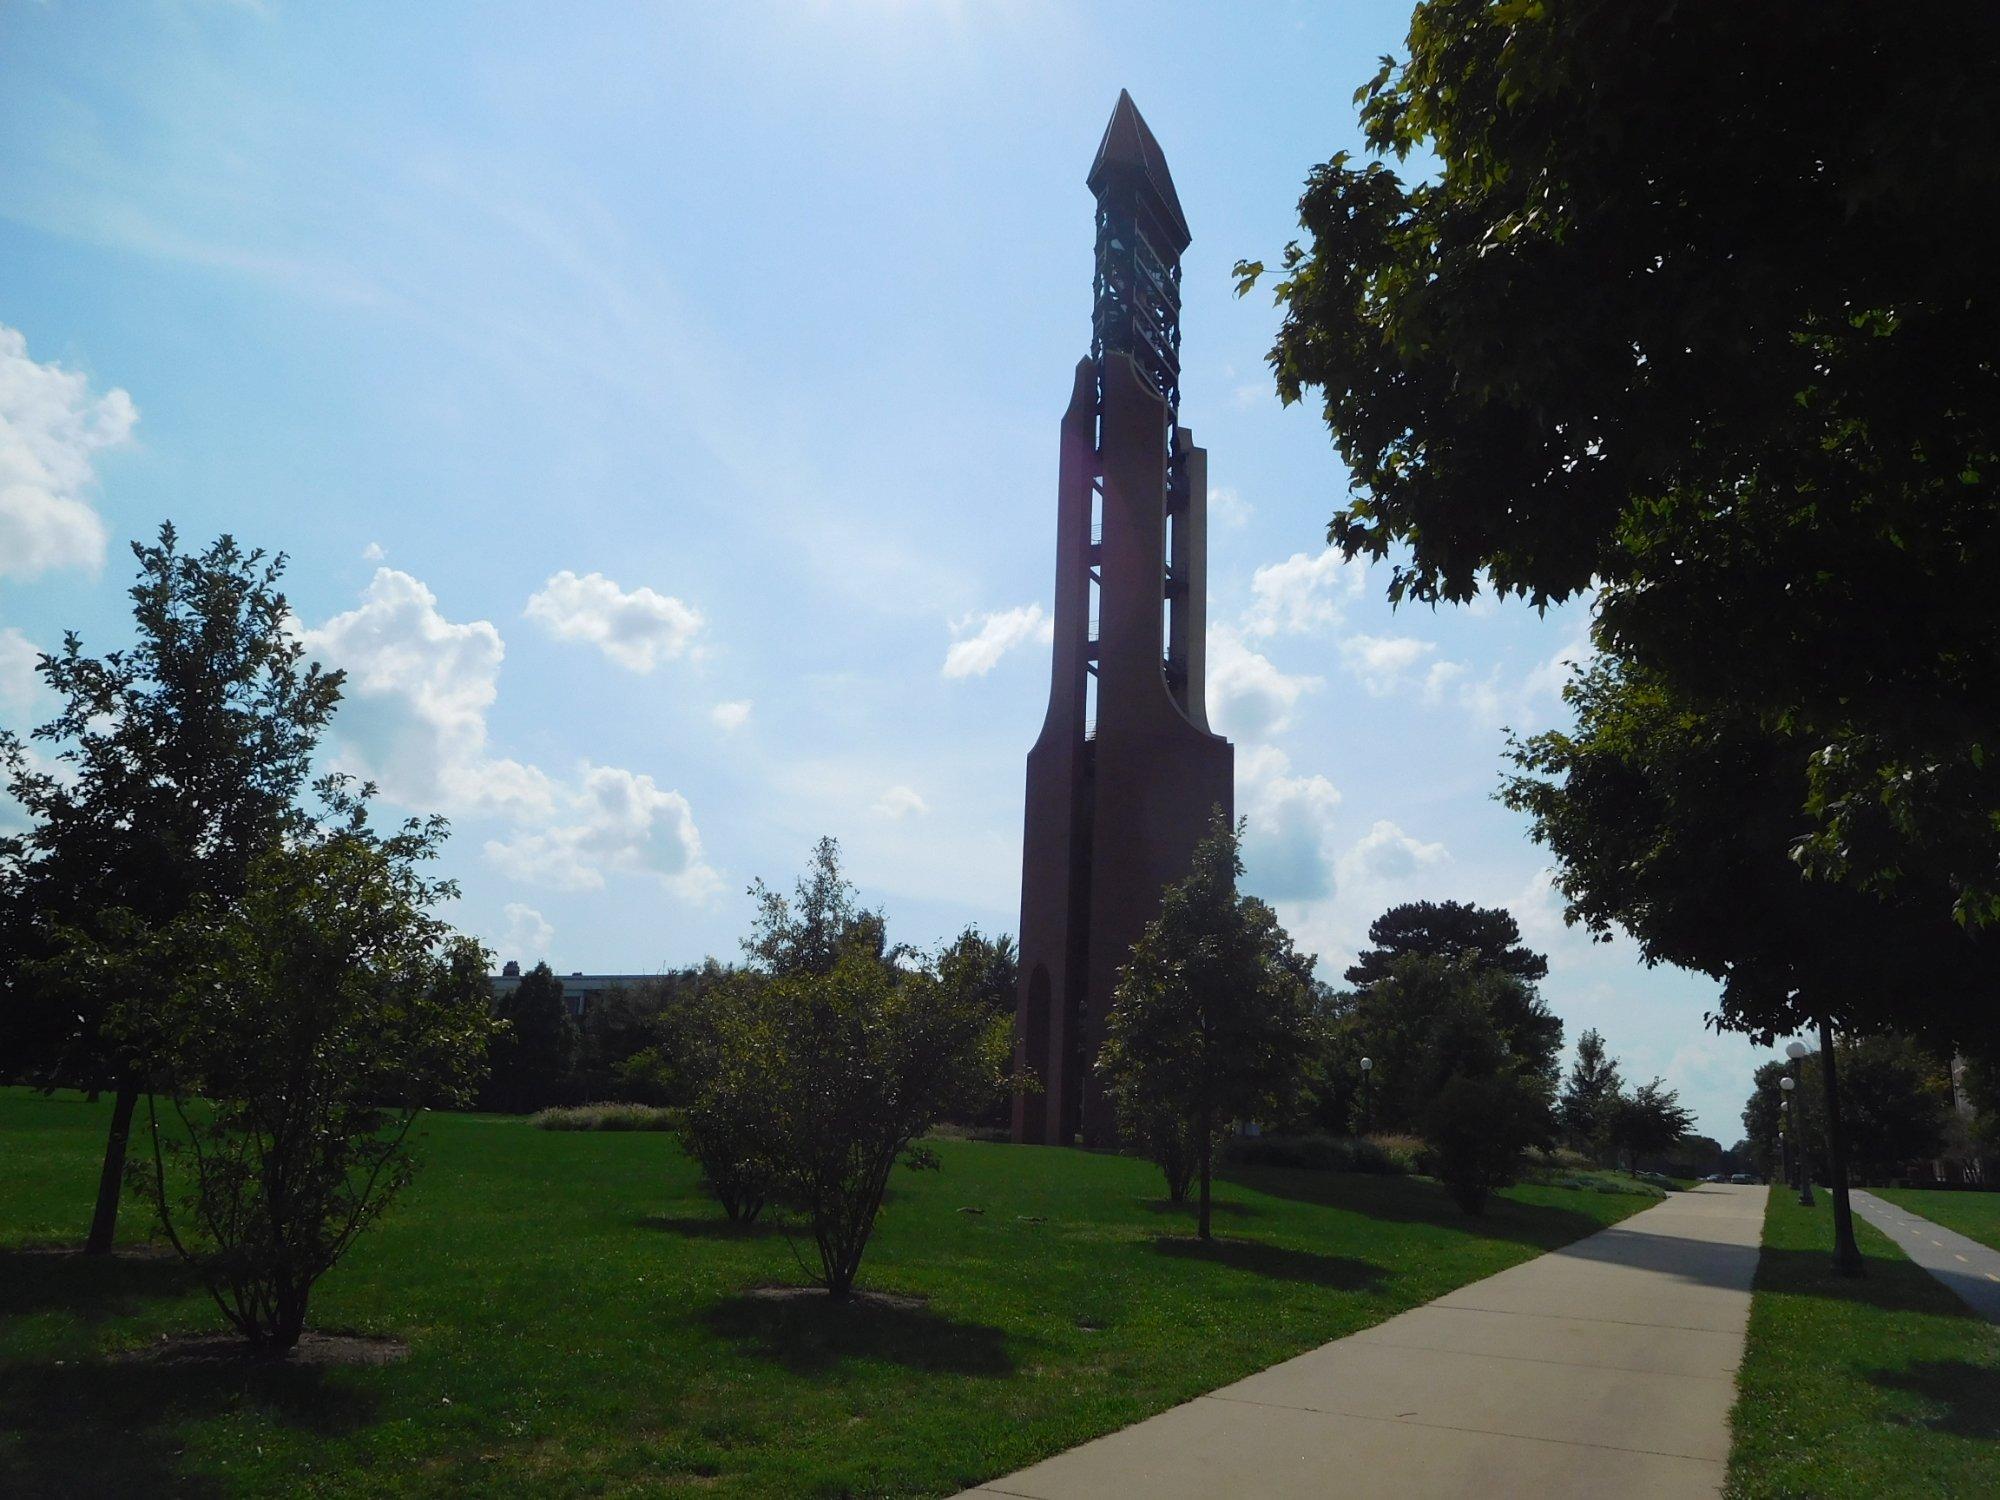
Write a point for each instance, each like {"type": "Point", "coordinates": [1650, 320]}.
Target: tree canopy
{"type": "Point", "coordinates": [1488, 936]}
{"type": "Point", "coordinates": [1693, 304]}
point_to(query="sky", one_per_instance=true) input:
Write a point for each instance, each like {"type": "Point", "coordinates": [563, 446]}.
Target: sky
{"type": "Point", "coordinates": [658, 406]}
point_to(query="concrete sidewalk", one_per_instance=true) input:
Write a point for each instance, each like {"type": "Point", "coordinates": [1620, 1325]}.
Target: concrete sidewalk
{"type": "Point", "coordinates": [1605, 1368]}
{"type": "Point", "coordinates": [1966, 1266]}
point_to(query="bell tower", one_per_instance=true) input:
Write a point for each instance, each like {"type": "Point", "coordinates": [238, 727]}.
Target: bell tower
{"type": "Point", "coordinates": [1126, 774]}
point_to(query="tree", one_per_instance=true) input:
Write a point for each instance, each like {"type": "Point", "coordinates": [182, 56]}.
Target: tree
{"type": "Point", "coordinates": [314, 1018]}
{"type": "Point", "coordinates": [1210, 1020]}
{"type": "Point", "coordinates": [863, 1061]}
{"type": "Point", "coordinates": [1895, 1094]}
{"type": "Point", "coordinates": [619, 1039]}
{"type": "Point", "coordinates": [988, 968]}
{"type": "Point", "coordinates": [1678, 822]}
{"type": "Point", "coordinates": [1401, 1020]}
{"type": "Point", "coordinates": [176, 763]}
{"type": "Point", "coordinates": [1485, 940]}
{"type": "Point", "coordinates": [1648, 1121]}
{"type": "Point", "coordinates": [1803, 1119]}
{"type": "Point", "coordinates": [1489, 936]}
{"type": "Point", "coordinates": [820, 923]}
{"type": "Point", "coordinates": [531, 1056]}
{"type": "Point", "coordinates": [722, 1077]}
{"type": "Point", "coordinates": [1540, 383]}
{"type": "Point", "coordinates": [1590, 1091]}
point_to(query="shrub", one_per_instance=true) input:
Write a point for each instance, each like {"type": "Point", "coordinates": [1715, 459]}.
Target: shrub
{"type": "Point", "coordinates": [607, 1116]}
{"type": "Point", "coordinates": [1319, 1152]}
{"type": "Point", "coordinates": [312, 1022]}
{"type": "Point", "coordinates": [1479, 1127]}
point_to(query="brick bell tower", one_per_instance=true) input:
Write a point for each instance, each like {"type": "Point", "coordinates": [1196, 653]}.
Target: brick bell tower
{"type": "Point", "coordinates": [1126, 773]}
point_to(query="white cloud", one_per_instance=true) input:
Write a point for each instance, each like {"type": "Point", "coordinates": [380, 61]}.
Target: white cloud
{"type": "Point", "coordinates": [729, 717]}
{"type": "Point", "coordinates": [1303, 593]}
{"type": "Point", "coordinates": [618, 822]}
{"type": "Point", "coordinates": [1228, 508]}
{"type": "Point", "coordinates": [1385, 853]}
{"type": "Point", "coordinates": [50, 428]}
{"type": "Point", "coordinates": [899, 802]}
{"type": "Point", "coordinates": [19, 684]}
{"type": "Point", "coordinates": [373, 552]}
{"type": "Point", "coordinates": [638, 629]}
{"type": "Point", "coordinates": [414, 713]}
{"type": "Point", "coordinates": [1289, 846]}
{"type": "Point", "coordinates": [999, 631]}
{"type": "Point", "coordinates": [1381, 660]}
{"type": "Point", "coordinates": [526, 935]}
{"type": "Point", "coordinates": [1250, 697]}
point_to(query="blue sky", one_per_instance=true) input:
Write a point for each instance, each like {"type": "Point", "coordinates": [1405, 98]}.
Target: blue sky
{"type": "Point", "coordinates": [658, 404]}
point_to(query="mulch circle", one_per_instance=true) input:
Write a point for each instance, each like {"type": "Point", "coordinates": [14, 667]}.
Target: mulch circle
{"type": "Point", "coordinates": [899, 1301]}
{"type": "Point", "coordinates": [312, 1349]}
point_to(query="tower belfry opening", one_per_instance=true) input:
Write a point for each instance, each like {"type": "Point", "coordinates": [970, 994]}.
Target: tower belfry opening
{"type": "Point", "coordinates": [1126, 774]}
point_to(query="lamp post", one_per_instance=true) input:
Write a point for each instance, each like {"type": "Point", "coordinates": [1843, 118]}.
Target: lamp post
{"type": "Point", "coordinates": [1785, 1135]}
{"type": "Point", "coordinates": [1804, 1182]}
{"type": "Point", "coordinates": [1367, 1067]}
{"type": "Point", "coordinates": [1796, 1051]}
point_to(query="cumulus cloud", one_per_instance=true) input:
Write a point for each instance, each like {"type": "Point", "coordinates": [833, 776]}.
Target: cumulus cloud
{"type": "Point", "coordinates": [525, 936]}
{"type": "Point", "coordinates": [1251, 699]}
{"type": "Point", "coordinates": [1289, 846]}
{"type": "Point", "coordinates": [19, 685]}
{"type": "Point", "coordinates": [414, 715]}
{"type": "Point", "coordinates": [984, 638]}
{"type": "Point", "coordinates": [51, 428]}
{"type": "Point", "coordinates": [1385, 853]}
{"type": "Point", "coordinates": [1303, 593]}
{"type": "Point", "coordinates": [729, 717]}
{"type": "Point", "coordinates": [1381, 661]}
{"type": "Point", "coordinates": [637, 628]}
{"type": "Point", "coordinates": [373, 552]}
{"type": "Point", "coordinates": [899, 802]}
{"type": "Point", "coordinates": [613, 821]}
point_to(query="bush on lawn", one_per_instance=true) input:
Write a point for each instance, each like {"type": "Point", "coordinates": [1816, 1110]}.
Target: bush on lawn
{"type": "Point", "coordinates": [312, 1021]}
{"type": "Point", "coordinates": [1320, 1152]}
{"type": "Point", "coordinates": [607, 1116]}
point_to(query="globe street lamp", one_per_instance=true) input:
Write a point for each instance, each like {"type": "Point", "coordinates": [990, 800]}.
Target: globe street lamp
{"type": "Point", "coordinates": [1797, 1051]}
{"type": "Point", "coordinates": [1367, 1067]}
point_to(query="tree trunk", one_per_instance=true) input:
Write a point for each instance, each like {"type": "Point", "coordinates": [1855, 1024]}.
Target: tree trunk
{"type": "Point", "coordinates": [104, 1222]}
{"type": "Point", "coordinates": [1207, 1150]}
{"type": "Point", "coordinates": [1846, 1254]}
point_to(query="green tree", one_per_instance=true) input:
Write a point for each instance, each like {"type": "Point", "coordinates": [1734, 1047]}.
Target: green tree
{"type": "Point", "coordinates": [1679, 824]}
{"type": "Point", "coordinates": [532, 1054]}
{"type": "Point", "coordinates": [1481, 939]}
{"type": "Point", "coordinates": [313, 1019]}
{"type": "Point", "coordinates": [1589, 1092]}
{"type": "Point", "coordinates": [1894, 1094]}
{"type": "Point", "coordinates": [1648, 1121]}
{"type": "Point", "coordinates": [813, 929]}
{"type": "Point", "coordinates": [720, 1072]}
{"type": "Point", "coordinates": [1540, 381]}
{"type": "Point", "coordinates": [1211, 1019]}
{"type": "Point", "coordinates": [1400, 1019]}
{"type": "Point", "coordinates": [176, 762]}
{"type": "Point", "coordinates": [851, 1068]}
{"type": "Point", "coordinates": [988, 968]}
{"type": "Point", "coordinates": [1488, 936]}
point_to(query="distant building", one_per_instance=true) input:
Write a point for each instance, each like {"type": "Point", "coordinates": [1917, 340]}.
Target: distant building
{"type": "Point", "coordinates": [580, 991]}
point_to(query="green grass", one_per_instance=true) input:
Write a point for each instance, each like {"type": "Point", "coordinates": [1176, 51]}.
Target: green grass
{"type": "Point", "coordinates": [578, 1324]}
{"type": "Point", "coordinates": [1974, 1215]}
{"type": "Point", "coordinates": [1888, 1385]}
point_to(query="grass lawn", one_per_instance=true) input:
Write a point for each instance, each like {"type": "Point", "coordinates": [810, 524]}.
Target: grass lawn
{"type": "Point", "coordinates": [1974, 1215]}
{"type": "Point", "coordinates": [1888, 1385]}
{"type": "Point", "coordinates": [578, 1322]}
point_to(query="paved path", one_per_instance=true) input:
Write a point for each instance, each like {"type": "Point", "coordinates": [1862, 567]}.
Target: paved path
{"type": "Point", "coordinates": [1966, 1266]}
{"type": "Point", "coordinates": [1605, 1368]}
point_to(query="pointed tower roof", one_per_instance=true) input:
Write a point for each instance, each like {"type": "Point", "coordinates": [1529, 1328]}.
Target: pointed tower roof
{"type": "Point", "coordinates": [1129, 151]}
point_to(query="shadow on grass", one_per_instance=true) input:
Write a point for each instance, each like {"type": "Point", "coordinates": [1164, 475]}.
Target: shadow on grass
{"type": "Point", "coordinates": [697, 1227]}
{"type": "Point", "coordinates": [1277, 1261]}
{"type": "Point", "coordinates": [1404, 1200]}
{"type": "Point", "coordinates": [95, 1428]}
{"type": "Point", "coordinates": [811, 1335]}
{"type": "Point", "coordinates": [1218, 1207]}
{"type": "Point", "coordinates": [1964, 1398]}
{"type": "Point", "coordinates": [90, 1287]}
